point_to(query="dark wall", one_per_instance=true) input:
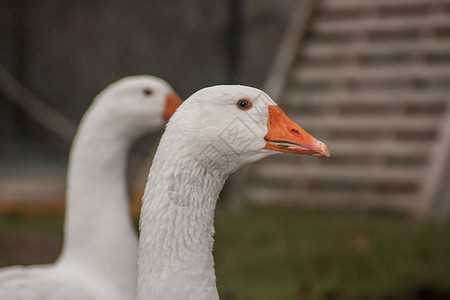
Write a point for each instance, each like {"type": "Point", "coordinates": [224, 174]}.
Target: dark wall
{"type": "Point", "coordinates": [68, 51]}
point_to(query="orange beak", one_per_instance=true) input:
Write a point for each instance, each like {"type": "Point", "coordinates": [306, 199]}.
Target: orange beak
{"type": "Point", "coordinates": [172, 103]}
{"type": "Point", "coordinates": [284, 135]}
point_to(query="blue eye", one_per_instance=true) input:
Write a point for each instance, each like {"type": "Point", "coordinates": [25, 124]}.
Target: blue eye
{"type": "Point", "coordinates": [244, 104]}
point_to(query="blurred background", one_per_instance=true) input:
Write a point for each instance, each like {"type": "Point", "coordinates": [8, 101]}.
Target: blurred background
{"type": "Point", "coordinates": [371, 78]}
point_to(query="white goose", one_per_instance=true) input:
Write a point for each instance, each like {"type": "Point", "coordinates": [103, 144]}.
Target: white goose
{"type": "Point", "coordinates": [214, 132]}
{"type": "Point", "coordinates": [99, 256]}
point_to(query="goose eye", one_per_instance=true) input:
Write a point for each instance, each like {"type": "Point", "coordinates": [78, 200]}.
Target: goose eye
{"type": "Point", "coordinates": [244, 104]}
{"type": "Point", "coordinates": [147, 92]}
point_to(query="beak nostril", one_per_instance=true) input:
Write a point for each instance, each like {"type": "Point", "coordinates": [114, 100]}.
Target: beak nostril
{"type": "Point", "coordinates": [296, 132]}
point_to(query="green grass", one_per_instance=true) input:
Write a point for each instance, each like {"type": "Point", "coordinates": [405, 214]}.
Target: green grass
{"type": "Point", "coordinates": [29, 240]}
{"type": "Point", "coordinates": [23, 224]}
{"type": "Point", "coordinates": [281, 253]}
{"type": "Point", "coordinates": [275, 253]}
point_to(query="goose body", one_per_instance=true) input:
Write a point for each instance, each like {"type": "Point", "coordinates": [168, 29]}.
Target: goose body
{"type": "Point", "coordinates": [213, 133]}
{"type": "Point", "coordinates": [99, 256]}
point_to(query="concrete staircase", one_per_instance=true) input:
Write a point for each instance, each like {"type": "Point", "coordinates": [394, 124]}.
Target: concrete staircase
{"type": "Point", "coordinates": [372, 79]}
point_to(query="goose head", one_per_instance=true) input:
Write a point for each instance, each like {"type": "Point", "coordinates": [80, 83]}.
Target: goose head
{"type": "Point", "coordinates": [136, 104]}
{"type": "Point", "coordinates": [231, 125]}
{"type": "Point", "coordinates": [212, 133]}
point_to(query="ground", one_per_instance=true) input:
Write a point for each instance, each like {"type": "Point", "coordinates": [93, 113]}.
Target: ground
{"type": "Point", "coordinates": [285, 253]}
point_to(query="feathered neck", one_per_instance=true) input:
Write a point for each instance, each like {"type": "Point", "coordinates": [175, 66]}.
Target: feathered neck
{"type": "Point", "coordinates": [177, 222]}
{"type": "Point", "coordinates": [99, 233]}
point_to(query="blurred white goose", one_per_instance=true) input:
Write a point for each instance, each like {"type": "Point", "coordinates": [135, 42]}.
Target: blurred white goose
{"type": "Point", "coordinates": [214, 132]}
{"type": "Point", "coordinates": [99, 256]}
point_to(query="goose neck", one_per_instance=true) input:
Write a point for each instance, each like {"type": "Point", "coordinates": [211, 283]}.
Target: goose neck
{"type": "Point", "coordinates": [177, 228]}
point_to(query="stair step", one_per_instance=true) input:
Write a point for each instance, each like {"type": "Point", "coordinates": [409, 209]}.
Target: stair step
{"type": "Point", "coordinates": [349, 200]}
{"type": "Point", "coordinates": [367, 25]}
{"type": "Point", "coordinates": [293, 173]}
{"type": "Point", "coordinates": [410, 71]}
{"type": "Point", "coordinates": [371, 4]}
{"type": "Point", "coordinates": [388, 123]}
{"type": "Point", "coordinates": [388, 98]}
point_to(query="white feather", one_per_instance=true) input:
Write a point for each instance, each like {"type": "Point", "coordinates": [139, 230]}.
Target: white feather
{"type": "Point", "coordinates": [206, 140]}
{"type": "Point", "coordinates": [99, 257]}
